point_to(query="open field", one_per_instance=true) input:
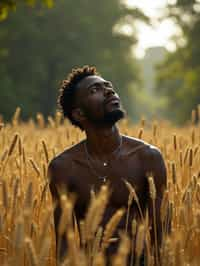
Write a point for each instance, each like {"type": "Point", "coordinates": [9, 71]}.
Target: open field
{"type": "Point", "coordinates": [26, 223]}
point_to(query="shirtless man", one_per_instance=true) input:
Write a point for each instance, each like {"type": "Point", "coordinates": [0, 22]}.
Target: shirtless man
{"type": "Point", "coordinates": [91, 103]}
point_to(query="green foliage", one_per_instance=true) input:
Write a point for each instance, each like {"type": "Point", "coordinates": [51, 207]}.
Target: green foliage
{"type": "Point", "coordinates": [179, 75]}
{"type": "Point", "coordinates": [10, 5]}
{"type": "Point", "coordinates": [39, 46]}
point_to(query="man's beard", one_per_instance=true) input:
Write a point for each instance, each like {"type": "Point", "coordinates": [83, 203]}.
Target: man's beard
{"type": "Point", "coordinates": [114, 116]}
{"type": "Point", "coordinates": [109, 118]}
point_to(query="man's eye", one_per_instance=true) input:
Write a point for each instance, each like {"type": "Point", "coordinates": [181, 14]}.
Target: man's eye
{"type": "Point", "coordinates": [109, 85]}
{"type": "Point", "coordinates": [93, 90]}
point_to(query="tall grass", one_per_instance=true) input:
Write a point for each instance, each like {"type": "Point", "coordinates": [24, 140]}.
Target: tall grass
{"type": "Point", "coordinates": [26, 212]}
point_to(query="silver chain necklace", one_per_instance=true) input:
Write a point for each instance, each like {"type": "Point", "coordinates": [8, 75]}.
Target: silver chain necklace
{"type": "Point", "coordinates": [90, 159]}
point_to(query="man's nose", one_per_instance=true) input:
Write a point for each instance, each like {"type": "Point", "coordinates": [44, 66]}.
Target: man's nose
{"type": "Point", "coordinates": [108, 91]}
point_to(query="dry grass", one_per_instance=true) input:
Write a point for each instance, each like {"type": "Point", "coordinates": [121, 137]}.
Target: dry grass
{"type": "Point", "coordinates": [26, 221]}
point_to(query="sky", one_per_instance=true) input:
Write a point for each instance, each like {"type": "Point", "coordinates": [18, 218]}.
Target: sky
{"type": "Point", "coordinates": [160, 33]}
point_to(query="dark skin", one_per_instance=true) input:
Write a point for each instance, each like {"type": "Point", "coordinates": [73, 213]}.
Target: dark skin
{"type": "Point", "coordinates": [131, 162]}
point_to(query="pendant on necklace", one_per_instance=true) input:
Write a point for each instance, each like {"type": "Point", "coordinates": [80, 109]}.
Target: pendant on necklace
{"type": "Point", "coordinates": [105, 164]}
{"type": "Point", "coordinates": [103, 178]}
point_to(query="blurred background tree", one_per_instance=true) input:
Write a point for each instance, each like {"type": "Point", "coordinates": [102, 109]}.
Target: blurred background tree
{"type": "Point", "coordinates": [39, 46]}
{"type": "Point", "coordinates": [42, 40]}
{"type": "Point", "coordinates": [179, 76]}
{"type": "Point", "coordinates": [10, 5]}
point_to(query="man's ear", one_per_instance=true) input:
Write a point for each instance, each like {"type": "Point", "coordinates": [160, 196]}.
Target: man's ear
{"type": "Point", "coordinates": [78, 114]}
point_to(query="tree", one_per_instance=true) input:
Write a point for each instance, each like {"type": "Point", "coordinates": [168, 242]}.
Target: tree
{"type": "Point", "coordinates": [39, 46]}
{"type": "Point", "coordinates": [10, 5]}
{"type": "Point", "coordinates": [179, 75]}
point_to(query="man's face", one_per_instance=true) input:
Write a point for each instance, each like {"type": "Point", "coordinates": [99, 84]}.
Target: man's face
{"type": "Point", "coordinates": [98, 100]}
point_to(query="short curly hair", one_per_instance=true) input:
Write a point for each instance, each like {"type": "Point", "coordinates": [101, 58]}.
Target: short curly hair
{"type": "Point", "coordinates": [68, 90]}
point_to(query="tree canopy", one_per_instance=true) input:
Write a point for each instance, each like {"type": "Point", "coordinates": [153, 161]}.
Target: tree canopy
{"type": "Point", "coordinates": [39, 46]}
{"type": "Point", "coordinates": [10, 5]}
{"type": "Point", "coordinates": [179, 75]}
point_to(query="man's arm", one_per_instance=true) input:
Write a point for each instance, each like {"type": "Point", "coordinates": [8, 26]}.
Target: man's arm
{"type": "Point", "coordinates": [53, 175]}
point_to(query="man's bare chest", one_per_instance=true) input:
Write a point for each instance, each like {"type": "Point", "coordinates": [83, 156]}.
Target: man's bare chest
{"type": "Point", "coordinates": [85, 177]}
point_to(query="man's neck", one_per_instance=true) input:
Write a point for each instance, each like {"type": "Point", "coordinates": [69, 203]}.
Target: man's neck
{"type": "Point", "coordinates": [102, 141]}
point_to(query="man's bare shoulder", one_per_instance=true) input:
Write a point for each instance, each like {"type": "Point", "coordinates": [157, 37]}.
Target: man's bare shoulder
{"type": "Point", "coordinates": [151, 159]}
{"type": "Point", "coordinates": [146, 150]}
{"type": "Point", "coordinates": [134, 144]}
{"type": "Point", "coordinates": [64, 159]}
{"type": "Point", "coordinates": [152, 153]}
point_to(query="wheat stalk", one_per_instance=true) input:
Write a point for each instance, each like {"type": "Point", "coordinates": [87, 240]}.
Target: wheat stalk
{"type": "Point", "coordinates": [35, 167]}
{"type": "Point", "coordinates": [5, 195]}
{"type": "Point", "coordinates": [120, 259]}
{"type": "Point", "coordinates": [13, 144]}
{"type": "Point", "coordinates": [97, 242]}
{"type": "Point", "coordinates": [110, 228]}
{"type": "Point", "coordinates": [95, 212]}
{"type": "Point", "coordinates": [141, 131]}
{"type": "Point", "coordinates": [45, 151]}
{"type": "Point", "coordinates": [44, 251]}
{"type": "Point", "coordinates": [30, 250]}
{"type": "Point", "coordinates": [175, 142]}
{"type": "Point", "coordinates": [99, 260]}
{"type": "Point", "coordinates": [16, 115]}
{"type": "Point", "coordinates": [139, 242]}
{"type": "Point", "coordinates": [134, 196]}
{"type": "Point", "coordinates": [133, 232]}
{"type": "Point", "coordinates": [40, 120]}
{"type": "Point", "coordinates": [19, 233]}
{"type": "Point", "coordinates": [73, 252]}
{"type": "Point", "coordinates": [152, 191]}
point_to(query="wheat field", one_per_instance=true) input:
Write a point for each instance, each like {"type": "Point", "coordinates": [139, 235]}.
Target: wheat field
{"type": "Point", "coordinates": [26, 222]}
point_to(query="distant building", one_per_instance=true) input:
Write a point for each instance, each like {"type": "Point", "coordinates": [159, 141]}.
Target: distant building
{"type": "Point", "coordinates": [153, 57]}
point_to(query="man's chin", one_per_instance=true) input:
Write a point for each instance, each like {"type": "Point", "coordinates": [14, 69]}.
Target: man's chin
{"type": "Point", "coordinates": [114, 116]}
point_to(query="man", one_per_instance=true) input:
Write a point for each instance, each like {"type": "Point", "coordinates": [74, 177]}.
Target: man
{"type": "Point", "coordinates": [91, 103]}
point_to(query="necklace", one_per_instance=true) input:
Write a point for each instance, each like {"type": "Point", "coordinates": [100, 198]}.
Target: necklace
{"type": "Point", "coordinates": [90, 159]}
